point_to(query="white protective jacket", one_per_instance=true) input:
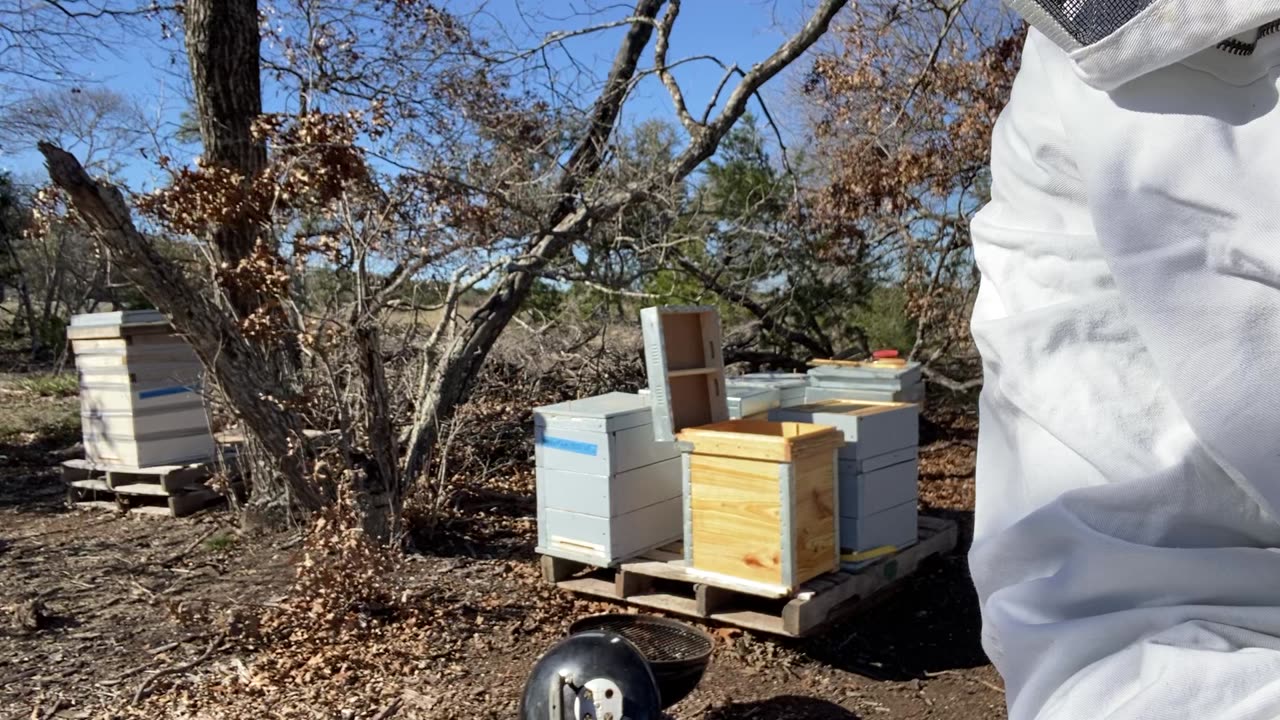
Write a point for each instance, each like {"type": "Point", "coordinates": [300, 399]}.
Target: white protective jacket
{"type": "Point", "coordinates": [1128, 513]}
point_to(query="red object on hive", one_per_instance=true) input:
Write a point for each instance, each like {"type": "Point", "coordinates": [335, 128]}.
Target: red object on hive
{"type": "Point", "coordinates": [883, 354]}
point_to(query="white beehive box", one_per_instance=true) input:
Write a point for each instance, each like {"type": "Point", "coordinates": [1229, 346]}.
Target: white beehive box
{"type": "Point", "coordinates": [140, 402]}
{"type": "Point", "coordinates": [790, 386]}
{"type": "Point", "coordinates": [744, 400]}
{"type": "Point", "coordinates": [747, 400]}
{"type": "Point", "coordinates": [607, 491]}
{"type": "Point", "coordinates": [913, 394]}
{"type": "Point", "coordinates": [896, 527]}
{"type": "Point", "coordinates": [870, 428]}
{"type": "Point", "coordinates": [878, 473]}
{"type": "Point", "coordinates": [866, 381]}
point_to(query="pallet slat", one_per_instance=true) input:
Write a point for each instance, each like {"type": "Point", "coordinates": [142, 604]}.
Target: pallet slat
{"type": "Point", "coordinates": [670, 586]}
{"type": "Point", "coordinates": [169, 490]}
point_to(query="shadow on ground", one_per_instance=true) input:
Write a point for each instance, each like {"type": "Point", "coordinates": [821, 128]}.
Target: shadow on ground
{"type": "Point", "coordinates": [928, 623]}
{"type": "Point", "coordinates": [783, 707]}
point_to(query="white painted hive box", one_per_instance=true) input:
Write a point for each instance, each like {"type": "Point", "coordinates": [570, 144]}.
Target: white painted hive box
{"type": "Point", "coordinates": [870, 428]}
{"type": "Point", "coordinates": [607, 491]}
{"type": "Point", "coordinates": [790, 386]}
{"type": "Point", "coordinates": [878, 471]}
{"type": "Point", "coordinates": [140, 401]}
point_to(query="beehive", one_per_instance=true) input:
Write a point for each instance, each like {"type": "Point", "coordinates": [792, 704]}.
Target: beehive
{"type": "Point", "coordinates": [790, 386]}
{"type": "Point", "coordinates": [606, 490]}
{"type": "Point", "coordinates": [744, 401]}
{"type": "Point", "coordinates": [140, 397]}
{"type": "Point", "coordinates": [760, 497]}
{"type": "Point", "coordinates": [878, 469]}
{"type": "Point", "coordinates": [871, 381]}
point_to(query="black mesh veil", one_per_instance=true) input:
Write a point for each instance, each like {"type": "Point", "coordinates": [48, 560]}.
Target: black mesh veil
{"type": "Point", "coordinates": [1084, 21]}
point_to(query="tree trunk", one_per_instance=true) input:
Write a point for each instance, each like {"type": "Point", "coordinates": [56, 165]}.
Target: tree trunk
{"type": "Point", "coordinates": [222, 43]}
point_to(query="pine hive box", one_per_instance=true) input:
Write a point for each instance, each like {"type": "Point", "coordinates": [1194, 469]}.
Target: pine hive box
{"type": "Point", "coordinates": [606, 490]}
{"type": "Point", "coordinates": [139, 391]}
{"type": "Point", "coordinates": [878, 469]}
{"type": "Point", "coordinates": [760, 497]}
{"type": "Point", "coordinates": [762, 500]}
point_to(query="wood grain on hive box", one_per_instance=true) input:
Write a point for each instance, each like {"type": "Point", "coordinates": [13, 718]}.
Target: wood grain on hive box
{"type": "Point", "coordinates": [762, 500]}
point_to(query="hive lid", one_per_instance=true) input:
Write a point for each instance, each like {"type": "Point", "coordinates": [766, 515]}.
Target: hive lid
{"type": "Point", "coordinates": [603, 407]}
{"type": "Point", "coordinates": [683, 358]}
{"type": "Point", "coordinates": [123, 317]}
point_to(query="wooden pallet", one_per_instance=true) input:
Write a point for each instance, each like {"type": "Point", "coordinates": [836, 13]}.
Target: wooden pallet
{"type": "Point", "coordinates": [173, 490]}
{"type": "Point", "coordinates": [662, 580]}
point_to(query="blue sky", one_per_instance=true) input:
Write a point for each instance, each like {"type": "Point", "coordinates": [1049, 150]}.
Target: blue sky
{"type": "Point", "coordinates": [152, 70]}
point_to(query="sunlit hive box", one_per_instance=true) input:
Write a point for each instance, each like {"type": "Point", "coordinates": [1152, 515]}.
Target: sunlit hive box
{"type": "Point", "coordinates": [606, 490]}
{"type": "Point", "coordinates": [791, 387]}
{"type": "Point", "coordinates": [878, 470]}
{"type": "Point", "coordinates": [760, 497]}
{"type": "Point", "coordinates": [140, 396]}
{"type": "Point", "coordinates": [876, 381]}
{"type": "Point", "coordinates": [745, 401]}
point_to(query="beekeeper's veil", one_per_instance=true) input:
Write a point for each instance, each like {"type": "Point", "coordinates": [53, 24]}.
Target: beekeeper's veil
{"type": "Point", "coordinates": [1114, 41]}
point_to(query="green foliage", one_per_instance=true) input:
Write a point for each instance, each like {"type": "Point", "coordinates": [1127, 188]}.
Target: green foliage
{"type": "Point", "coordinates": [884, 319]}
{"type": "Point", "coordinates": [221, 542]}
{"type": "Point", "coordinates": [51, 385]}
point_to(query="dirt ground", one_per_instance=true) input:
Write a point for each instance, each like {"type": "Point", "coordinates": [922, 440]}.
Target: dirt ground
{"type": "Point", "coordinates": [109, 615]}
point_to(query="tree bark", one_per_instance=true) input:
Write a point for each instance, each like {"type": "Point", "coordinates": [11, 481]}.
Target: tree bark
{"type": "Point", "coordinates": [222, 42]}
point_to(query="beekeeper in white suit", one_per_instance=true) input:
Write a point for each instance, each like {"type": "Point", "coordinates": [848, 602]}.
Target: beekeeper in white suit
{"type": "Point", "coordinates": [1127, 525]}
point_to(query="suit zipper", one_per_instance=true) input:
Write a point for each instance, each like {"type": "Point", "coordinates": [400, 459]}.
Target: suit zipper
{"type": "Point", "coordinates": [1235, 47]}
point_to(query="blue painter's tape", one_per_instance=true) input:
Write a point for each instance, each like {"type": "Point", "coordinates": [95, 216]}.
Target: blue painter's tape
{"type": "Point", "coordinates": [161, 392]}
{"type": "Point", "coordinates": [572, 446]}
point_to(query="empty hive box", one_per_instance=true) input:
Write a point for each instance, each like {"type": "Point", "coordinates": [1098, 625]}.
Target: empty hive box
{"type": "Point", "coordinates": [760, 496]}
{"type": "Point", "coordinates": [606, 489]}
{"type": "Point", "coordinates": [878, 468]}
{"type": "Point", "coordinates": [139, 391]}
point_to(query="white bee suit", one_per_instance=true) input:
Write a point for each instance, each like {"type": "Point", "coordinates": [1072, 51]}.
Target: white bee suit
{"type": "Point", "coordinates": [1129, 321]}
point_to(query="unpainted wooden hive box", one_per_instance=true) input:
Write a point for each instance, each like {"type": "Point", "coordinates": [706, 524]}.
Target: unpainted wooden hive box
{"type": "Point", "coordinates": [762, 500]}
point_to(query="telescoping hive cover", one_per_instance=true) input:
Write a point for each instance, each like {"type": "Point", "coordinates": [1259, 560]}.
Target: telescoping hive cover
{"type": "Point", "coordinates": [685, 366]}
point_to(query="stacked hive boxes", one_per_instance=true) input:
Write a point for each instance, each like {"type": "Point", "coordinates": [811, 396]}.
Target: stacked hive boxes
{"type": "Point", "coordinates": [140, 403]}
{"type": "Point", "coordinates": [867, 381]}
{"type": "Point", "coordinates": [606, 489]}
{"type": "Point", "coordinates": [877, 471]}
